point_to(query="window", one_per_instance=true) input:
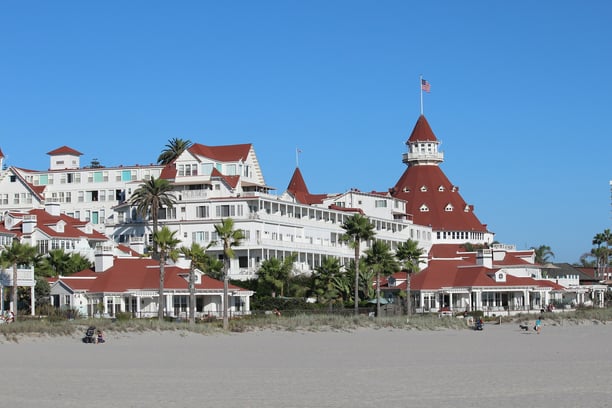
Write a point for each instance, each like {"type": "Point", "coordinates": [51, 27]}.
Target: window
{"type": "Point", "coordinates": [243, 262]}
{"type": "Point", "coordinates": [423, 189]}
{"type": "Point", "coordinates": [13, 178]}
{"type": "Point", "coordinates": [16, 198]}
{"type": "Point", "coordinates": [448, 208]}
{"type": "Point", "coordinates": [380, 203]}
{"type": "Point", "coordinates": [340, 204]}
{"type": "Point", "coordinates": [207, 168]}
{"type": "Point", "coordinates": [230, 169]}
{"type": "Point", "coordinates": [424, 208]}
{"type": "Point", "coordinates": [226, 211]}
{"type": "Point", "coordinates": [202, 212]}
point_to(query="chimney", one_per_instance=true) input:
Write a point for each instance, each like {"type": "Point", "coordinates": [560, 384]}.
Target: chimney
{"type": "Point", "coordinates": [104, 258]}
{"type": "Point", "coordinates": [52, 207]}
{"type": "Point", "coordinates": [484, 257]}
{"type": "Point", "coordinates": [28, 224]}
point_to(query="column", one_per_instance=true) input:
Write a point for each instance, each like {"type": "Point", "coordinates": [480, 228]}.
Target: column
{"type": "Point", "coordinates": [32, 301]}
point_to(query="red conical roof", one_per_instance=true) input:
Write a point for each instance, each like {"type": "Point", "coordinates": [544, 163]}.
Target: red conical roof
{"type": "Point", "coordinates": [422, 132]}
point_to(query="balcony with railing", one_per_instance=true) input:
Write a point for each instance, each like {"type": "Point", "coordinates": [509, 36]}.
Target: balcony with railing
{"type": "Point", "coordinates": [25, 277]}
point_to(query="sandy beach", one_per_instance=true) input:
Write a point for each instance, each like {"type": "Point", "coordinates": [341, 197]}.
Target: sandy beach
{"type": "Point", "coordinates": [502, 366]}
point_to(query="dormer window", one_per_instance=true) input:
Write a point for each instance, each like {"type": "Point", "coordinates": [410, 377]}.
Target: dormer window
{"type": "Point", "coordinates": [441, 188]}
{"type": "Point", "coordinates": [406, 190]}
{"type": "Point", "coordinates": [449, 207]}
{"type": "Point", "coordinates": [455, 188]}
{"type": "Point", "coordinates": [424, 208]}
{"type": "Point", "coordinates": [423, 189]}
{"type": "Point", "coordinates": [467, 208]}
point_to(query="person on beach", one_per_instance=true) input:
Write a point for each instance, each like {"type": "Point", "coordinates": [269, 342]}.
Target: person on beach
{"type": "Point", "coordinates": [538, 325]}
{"type": "Point", "coordinates": [100, 337]}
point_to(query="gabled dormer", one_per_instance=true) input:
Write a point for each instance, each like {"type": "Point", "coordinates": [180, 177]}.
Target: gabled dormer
{"type": "Point", "coordinates": [59, 226]}
{"type": "Point", "coordinates": [64, 158]}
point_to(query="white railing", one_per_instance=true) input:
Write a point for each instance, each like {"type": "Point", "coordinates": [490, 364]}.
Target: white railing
{"type": "Point", "coordinates": [25, 277]}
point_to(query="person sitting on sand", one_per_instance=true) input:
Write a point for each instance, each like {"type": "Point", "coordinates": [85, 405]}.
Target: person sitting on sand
{"type": "Point", "coordinates": [100, 337]}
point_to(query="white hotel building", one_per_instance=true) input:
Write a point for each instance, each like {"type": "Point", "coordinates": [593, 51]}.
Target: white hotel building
{"type": "Point", "coordinates": [211, 183]}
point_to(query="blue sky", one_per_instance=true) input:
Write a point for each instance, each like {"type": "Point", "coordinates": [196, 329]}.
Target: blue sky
{"type": "Point", "coordinates": [521, 95]}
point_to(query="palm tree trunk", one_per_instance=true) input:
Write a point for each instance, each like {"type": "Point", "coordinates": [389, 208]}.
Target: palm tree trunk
{"type": "Point", "coordinates": [14, 306]}
{"type": "Point", "coordinates": [162, 299]}
{"type": "Point", "coordinates": [357, 250]}
{"type": "Point", "coordinates": [225, 291]}
{"type": "Point", "coordinates": [408, 300]}
{"type": "Point", "coordinates": [225, 296]}
{"type": "Point", "coordinates": [192, 300]}
{"type": "Point", "coordinates": [377, 294]}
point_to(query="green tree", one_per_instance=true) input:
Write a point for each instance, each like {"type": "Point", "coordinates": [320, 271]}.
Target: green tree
{"type": "Point", "coordinates": [324, 281]}
{"type": "Point", "coordinates": [357, 229]}
{"type": "Point", "coordinates": [58, 261]}
{"type": "Point", "coordinates": [380, 259]}
{"type": "Point", "coordinates": [150, 197]}
{"type": "Point", "coordinates": [196, 254]}
{"type": "Point", "coordinates": [229, 238]}
{"type": "Point", "coordinates": [409, 253]}
{"type": "Point", "coordinates": [15, 255]}
{"type": "Point", "coordinates": [174, 148]}
{"type": "Point", "coordinates": [166, 244]}
{"type": "Point", "coordinates": [603, 238]}
{"type": "Point", "coordinates": [273, 275]}
{"type": "Point", "coordinates": [543, 254]}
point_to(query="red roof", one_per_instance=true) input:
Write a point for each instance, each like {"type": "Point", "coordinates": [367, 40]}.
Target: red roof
{"type": "Point", "coordinates": [428, 186]}
{"type": "Point", "coordinates": [138, 274]}
{"type": "Point", "coordinates": [422, 132]}
{"type": "Point", "coordinates": [462, 274]}
{"type": "Point", "coordinates": [227, 153]}
{"type": "Point", "coordinates": [64, 150]}
{"type": "Point", "coordinates": [232, 181]}
{"type": "Point", "coordinates": [297, 188]}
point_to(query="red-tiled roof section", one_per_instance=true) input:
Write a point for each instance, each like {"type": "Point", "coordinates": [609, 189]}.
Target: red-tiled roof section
{"type": "Point", "coordinates": [422, 132]}
{"type": "Point", "coordinates": [232, 181]}
{"type": "Point", "coordinates": [297, 188]}
{"type": "Point", "coordinates": [138, 274]}
{"type": "Point", "coordinates": [227, 153]}
{"type": "Point", "coordinates": [45, 221]}
{"type": "Point", "coordinates": [429, 186]}
{"type": "Point", "coordinates": [64, 150]}
{"type": "Point", "coordinates": [169, 172]}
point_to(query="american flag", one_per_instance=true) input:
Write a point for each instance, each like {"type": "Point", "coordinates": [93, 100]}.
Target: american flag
{"type": "Point", "coordinates": [425, 86]}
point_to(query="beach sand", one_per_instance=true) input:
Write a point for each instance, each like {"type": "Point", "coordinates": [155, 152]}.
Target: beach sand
{"type": "Point", "coordinates": [502, 366]}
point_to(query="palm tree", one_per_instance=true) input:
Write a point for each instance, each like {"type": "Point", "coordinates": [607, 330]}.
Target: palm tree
{"type": "Point", "coordinates": [150, 197]}
{"type": "Point", "coordinates": [604, 237]}
{"type": "Point", "coordinates": [173, 149]}
{"type": "Point", "coordinates": [196, 254]}
{"type": "Point", "coordinates": [380, 258]}
{"type": "Point", "coordinates": [543, 253]}
{"type": "Point", "coordinates": [17, 254]}
{"type": "Point", "coordinates": [323, 282]}
{"type": "Point", "coordinates": [230, 238]}
{"type": "Point", "coordinates": [57, 261]}
{"type": "Point", "coordinates": [166, 243]}
{"type": "Point", "coordinates": [409, 253]}
{"type": "Point", "coordinates": [357, 228]}
{"type": "Point", "coordinates": [274, 274]}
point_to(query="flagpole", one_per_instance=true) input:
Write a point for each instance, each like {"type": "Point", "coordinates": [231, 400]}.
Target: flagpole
{"type": "Point", "coordinates": [421, 88]}
{"type": "Point", "coordinates": [297, 157]}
